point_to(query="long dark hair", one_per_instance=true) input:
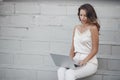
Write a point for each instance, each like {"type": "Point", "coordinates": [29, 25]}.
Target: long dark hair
{"type": "Point", "coordinates": [90, 13]}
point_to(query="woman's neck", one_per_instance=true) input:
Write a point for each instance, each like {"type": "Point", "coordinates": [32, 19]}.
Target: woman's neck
{"type": "Point", "coordinates": [85, 25]}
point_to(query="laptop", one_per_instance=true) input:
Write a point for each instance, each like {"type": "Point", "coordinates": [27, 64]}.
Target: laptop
{"type": "Point", "coordinates": [63, 61]}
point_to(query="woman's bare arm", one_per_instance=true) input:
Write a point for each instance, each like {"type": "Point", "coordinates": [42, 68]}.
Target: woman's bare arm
{"type": "Point", "coordinates": [72, 54]}
{"type": "Point", "coordinates": [95, 44]}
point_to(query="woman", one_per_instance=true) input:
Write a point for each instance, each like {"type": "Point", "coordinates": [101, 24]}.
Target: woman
{"type": "Point", "coordinates": [84, 48]}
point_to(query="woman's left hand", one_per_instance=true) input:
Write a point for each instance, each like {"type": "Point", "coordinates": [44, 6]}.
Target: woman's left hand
{"type": "Point", "coordinates": [82, 63]}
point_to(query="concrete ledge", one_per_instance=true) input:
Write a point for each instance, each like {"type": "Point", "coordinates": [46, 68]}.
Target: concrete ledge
{"type": "Point", "coordinates": [108, 56]}
{"type": "Point", "coordinates": [99, 75]}
{"type": "Point", "coordinates": [106, 72]}
{"type": "Point", "coordinates": [54, 68]}
{"type": "Point", "coordinates": [92, 77]}
{"type": "Point", "coordinates": [103, 73]}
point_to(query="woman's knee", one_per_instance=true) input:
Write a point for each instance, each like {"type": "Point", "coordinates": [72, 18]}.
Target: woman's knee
{"type": "Point", "coordinates": [61, 70]}
{"type": "Point", "coordinates": [70, 74]}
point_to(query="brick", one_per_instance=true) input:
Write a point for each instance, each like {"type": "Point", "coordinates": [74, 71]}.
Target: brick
{"type": "Point", "coordinates": [31, 60]}
{"type": "Point", "coordinates": [70, 21]}
{"type": "Point", "coordinates": [111, 77]}
{"type": "Point", "coordinates": [108, 72]}
{"type": "Point", "coordinates": [108, 11]}
{"type": "Point", "coordinates": [6, 59]}
{"type": "Point", "coordinates": [2, 74]}
{"type": "Point", "coordinates": [39, 33]}
{"type": "Point", "coordinates": [50, 9]}
{"type": "Point", "coordinates": [27, 8]}
{"type": "Point", "coordinates": [116, 50]}
{"type": "Point", "coordinates": [6, 44]}
{"type": "Point", "coordinates": [108, 36]}
{"type": "Point", "coordinates": [72, 10]}
{"type": "Point", "coordinates": [29, 45]}
{"type": "Point", "coordinates": [13, 32]}
{"type": "Point", "coordinates": [16, 21]}
{"type": "Point", "coordinates": [6, 8]}
{"type": "Point", "coordinates": [5, 21]}
{"type": "Point", "coordinates": [60, 34]}
{"type": "Point", "coordinates": [51, 75]}
{"type": "Point", "coordinates": [105, 49]}
{"type": "Point", "coordinates": [117, 37]}
{"type": "Point", "coordinates": [102, 64]}
{"type": "Point", "coordinates": [21, 20]}
{"type": "Point", "coordinates": [93, 77]}
{"type": "Point", "coordinates": [16, 74]}
{"type": "Point", "coordinates": [47, 20]}
{"type": "Point", "coordinates": [114, 64]}
{"type": "Point", "coordinates": [60, 48]}
{"type": "Point", "coordinates": [109, 24]}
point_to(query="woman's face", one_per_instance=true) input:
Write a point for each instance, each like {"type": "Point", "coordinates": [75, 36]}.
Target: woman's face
{"type": "Point", "coordinates": [83, 16]}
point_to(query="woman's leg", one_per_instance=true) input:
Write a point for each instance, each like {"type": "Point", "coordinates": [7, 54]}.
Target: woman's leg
{"type": "Point", "coordinates": [69, 74]}
{"type": "Point", "coordinates": [61, 73]}
{"type": "Point", "coordinates": [81, 72]}
{"type": "Point", "coordinates": [85, 71]}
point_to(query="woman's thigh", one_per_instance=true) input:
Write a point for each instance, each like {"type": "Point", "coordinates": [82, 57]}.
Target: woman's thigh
{"type": "Point", "coordinates": [85, 71]}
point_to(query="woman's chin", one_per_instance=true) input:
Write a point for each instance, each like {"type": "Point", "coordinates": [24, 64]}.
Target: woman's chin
{"type": "Point", "coordinates": [83, 22]}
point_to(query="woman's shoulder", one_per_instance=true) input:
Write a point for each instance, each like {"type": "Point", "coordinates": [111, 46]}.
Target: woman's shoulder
{"type": "Point", "coordinates": [93, 29]}
{"type": "Point", "coordinates": [77, 26]}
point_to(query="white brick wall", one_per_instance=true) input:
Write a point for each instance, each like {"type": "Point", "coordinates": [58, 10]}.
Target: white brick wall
{"type": "Point", "coordinates": [6, 59]}
{"type": "Point", "coordinates": [27, 8]}
{"type": "Point", "coordinates": [16, 20]}
{"type": "Point", "coordinates": [13, 74]}
{"type": "Point", "coordinates": [30, 31]}
{"type": "Point", "coordinates": [6, 8]}
{"type": "Point", "coordinates": [55, 9]}
{"type": "Point", "coordinates": [6, 44]}
{"type": "Point", "coordinates": [116, 50]}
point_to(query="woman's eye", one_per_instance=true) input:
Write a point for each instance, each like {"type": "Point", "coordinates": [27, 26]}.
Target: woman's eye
{"type": "Point", "coordinates": [82, 15]}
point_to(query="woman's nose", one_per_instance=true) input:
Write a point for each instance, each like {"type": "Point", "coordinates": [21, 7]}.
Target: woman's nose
{"type": "Point", "coordinates": [82, 18]}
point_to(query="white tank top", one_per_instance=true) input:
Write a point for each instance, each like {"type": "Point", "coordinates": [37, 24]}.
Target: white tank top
{"type": "Point", "coordinates": [82, 41]}
{"type": "Point", "coordinates": [83, 44]}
